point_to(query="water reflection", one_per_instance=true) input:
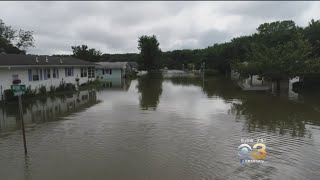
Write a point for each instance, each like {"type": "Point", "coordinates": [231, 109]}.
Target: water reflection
{"type": "Point", "coordinates": [191, 130]}
{"type": "Point", "coordinates": [27, 168]}
{"type": "Point", "coordinates": [150, 90]}
{"type": "Point", "coordinates": [116, 84]}
{"type": "Point", "coordinates": [45, 109]}
{"type": "Point", "coordinates": [260, 110]}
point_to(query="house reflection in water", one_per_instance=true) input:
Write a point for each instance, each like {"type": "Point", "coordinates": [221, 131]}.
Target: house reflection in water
{"type": "Point", "coordinates": [46, 109]}
{"type": "Point", "coordinates": [117, 84]}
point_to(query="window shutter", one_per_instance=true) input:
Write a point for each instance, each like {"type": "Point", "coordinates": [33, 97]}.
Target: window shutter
{"type": "Point", "coordinates": [66, 72]}
{"type": "Point", "coordinates": [72, 71]}
{"type": "Point", "coordinates": [40, 74]}
{"type": "Point", "coordinates": [57, 71]}
{"type": "Point", "coordinates": [45, 74]}
{"type": "Point", "coordinates": [30, 74]}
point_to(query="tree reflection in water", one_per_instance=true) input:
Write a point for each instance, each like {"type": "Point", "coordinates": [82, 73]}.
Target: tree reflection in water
{"type": "Point", "coordinates": [150, 90]}
{"type": "Point", "coordinates": [260, 110]}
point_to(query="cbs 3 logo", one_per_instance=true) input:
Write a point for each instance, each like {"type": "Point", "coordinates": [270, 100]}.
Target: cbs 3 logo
{"type": "Point", "coordinates": [244, 151]}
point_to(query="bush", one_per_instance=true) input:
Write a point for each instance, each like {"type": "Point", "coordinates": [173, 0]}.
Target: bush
{"type": "Point", "coordinates": [65, 87]}
{"type": "Point", "coordinates": [52, 89]}
{"type": "Point", "coordinates": [29, 92]}
{"type": "Point", "coordinates": [61, 87]}
{"type": "Point", "coordinates": [8, 94]}
{"type": "Point", "coordinates": [70, 87]}
{"type": "Point", "coordinates": [42, 89]}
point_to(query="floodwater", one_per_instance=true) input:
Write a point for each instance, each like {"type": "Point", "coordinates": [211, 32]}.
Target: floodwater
{"type": "Point", "coordinates": [165, 128]}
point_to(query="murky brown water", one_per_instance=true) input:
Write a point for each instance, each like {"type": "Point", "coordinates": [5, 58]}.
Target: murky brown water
{"type": "Point", "coordinates": [162, 128]}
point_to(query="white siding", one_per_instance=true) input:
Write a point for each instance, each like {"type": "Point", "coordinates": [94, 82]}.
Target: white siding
{"type": "Point", "coordinates": [6, 78]}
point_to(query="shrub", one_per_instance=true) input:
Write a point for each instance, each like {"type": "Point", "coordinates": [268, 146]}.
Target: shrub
{"type": "Point", "coordinates": [70, 87]}
{"type": "Point", "coordinates": [29, 92]}
{"type": "Point", "coordinates": [61, 87]}
{"type": "Point", "coordinates": [52, 89]}
{"type": "Point", "coordinates": [42, 89]}
{"type": "Point", "coordinates": [8, 94]}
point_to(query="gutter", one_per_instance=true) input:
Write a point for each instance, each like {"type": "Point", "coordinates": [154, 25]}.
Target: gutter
{"type": "Point", "coordinates": [25, 66]}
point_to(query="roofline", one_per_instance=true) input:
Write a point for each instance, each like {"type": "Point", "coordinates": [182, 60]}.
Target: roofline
{"type": "Point", "coordinates": [104, 67]}
{"type": "Point", "coordinates": [22, 66]}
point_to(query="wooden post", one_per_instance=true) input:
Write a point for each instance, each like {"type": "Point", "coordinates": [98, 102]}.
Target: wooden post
{"type": "Point", "coordinates": [22, 125]}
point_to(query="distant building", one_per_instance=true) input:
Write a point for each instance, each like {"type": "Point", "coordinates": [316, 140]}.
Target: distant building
{"type": "Point", "coordinates": [113, 73]}
{"type": "Point", "coordinates": [37, 71]}
{"type": "Point", "coordinates": [112, 70]}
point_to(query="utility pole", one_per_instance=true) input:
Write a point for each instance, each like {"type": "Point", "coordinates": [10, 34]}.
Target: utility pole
{"type": "Point", "coordinates": [18, 90]}
{"type": "Point", "coordinates": [22, 125]}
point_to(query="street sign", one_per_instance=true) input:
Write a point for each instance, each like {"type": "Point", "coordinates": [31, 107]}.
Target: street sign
{"type": "Point", "coordinates": [18, 89]}
{"type": "Point", "coordinates": [19, 93]}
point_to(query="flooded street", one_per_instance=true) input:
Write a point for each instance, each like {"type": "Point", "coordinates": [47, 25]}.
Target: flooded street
{"type": "Point", "coordinates": [157, 127]}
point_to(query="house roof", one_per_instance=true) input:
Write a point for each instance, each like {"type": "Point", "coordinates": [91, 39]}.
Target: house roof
{"type": "Point", "coordinates": [133, 64]}
{"type": "Point", "coordinates": [33, 60]}
{"type": "Point", "coordinates": [113, 65]}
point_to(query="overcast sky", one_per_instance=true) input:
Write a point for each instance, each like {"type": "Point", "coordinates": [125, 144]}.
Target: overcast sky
{"type": "Point", "coordinates": [114, 27]}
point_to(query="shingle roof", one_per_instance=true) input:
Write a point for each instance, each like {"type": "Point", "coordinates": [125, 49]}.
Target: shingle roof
{"type": "Point", "coordinates": [113, 65]}
{"type": "Point", "coordinates": [32, 60]}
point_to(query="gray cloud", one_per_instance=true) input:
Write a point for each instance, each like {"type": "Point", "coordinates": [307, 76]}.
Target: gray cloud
{"type": "Point", "coordinates": [114, 27]}
{"type": "Point", "coordinates": [280, 9]}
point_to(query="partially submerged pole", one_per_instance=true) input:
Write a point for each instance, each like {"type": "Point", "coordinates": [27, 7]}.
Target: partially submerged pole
{"type": "Point", "coordinates": [22, 125]}
{"type": "Point", "coordinates": [18, 90]}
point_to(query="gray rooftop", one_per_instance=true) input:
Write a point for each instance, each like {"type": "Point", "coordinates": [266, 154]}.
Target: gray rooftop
{"type": "Point", "coordinates": [113, 65]}
{"type": "Point", "coordinates": [33, 60]}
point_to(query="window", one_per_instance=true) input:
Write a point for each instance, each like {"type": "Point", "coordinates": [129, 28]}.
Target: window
{"type": "Point", "coordinates": [46, 74]}
{"type": "Point", "coordinates": [83, 72]}
{"type": "Point", "coordinates": [55, 73]}
{"type": "Point", "coordinates": [107, 71]}
{"type": "Point", "coordinates": [91, 72]}
{"type": "Point", "coordinates": [34, 74]}
{"type": "Point", "coordinates": [69, 71]}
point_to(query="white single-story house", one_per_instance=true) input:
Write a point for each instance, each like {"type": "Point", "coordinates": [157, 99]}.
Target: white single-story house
{"type": "Point", "coordinates": [37, 71]}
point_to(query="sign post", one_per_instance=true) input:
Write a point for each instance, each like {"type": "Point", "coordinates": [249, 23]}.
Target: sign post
{"type": "Point", "coordinates": [18, 90]}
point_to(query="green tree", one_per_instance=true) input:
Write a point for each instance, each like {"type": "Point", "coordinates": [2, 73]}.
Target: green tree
{"type": "Point", "coordinates": [277, 51]}
{"type": "Point", "coordinates": [312, 33]}
{"type": "Point", "coordinates": [218, 57]}
{"type": "Point", "coordinates": [84, 53]}
{"type": "Point", "coordinates": [282, 61]}
{"type": "Point", "coordinates": [149, 51]}
{"type": "Point", "coordinates": [15, 41]}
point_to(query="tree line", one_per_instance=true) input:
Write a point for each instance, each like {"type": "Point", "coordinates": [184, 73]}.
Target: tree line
{"type": "Point", "coordinates": [277, 50]}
